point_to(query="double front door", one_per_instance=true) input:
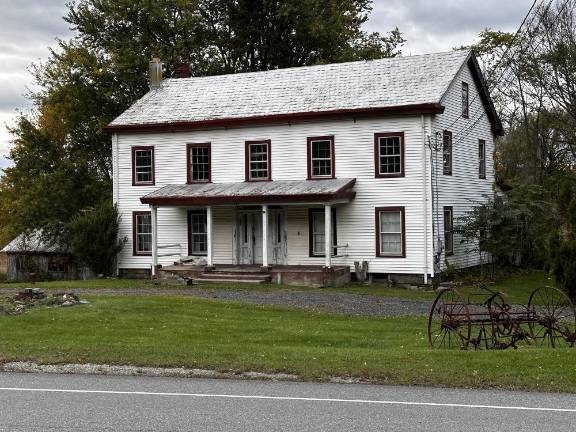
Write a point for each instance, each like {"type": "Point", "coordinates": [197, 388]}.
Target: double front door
{"type": "Point", "coordinates": [249, 231]}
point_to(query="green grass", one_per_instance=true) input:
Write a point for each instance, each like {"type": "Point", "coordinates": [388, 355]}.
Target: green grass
{"type": "Point", "coordinates": [90, 283]}
{"type": "Point", "coordinates": [177, 331]}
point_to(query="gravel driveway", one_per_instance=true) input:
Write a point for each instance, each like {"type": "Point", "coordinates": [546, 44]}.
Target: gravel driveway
{"type": "Point", "coordinates": [325, 301]}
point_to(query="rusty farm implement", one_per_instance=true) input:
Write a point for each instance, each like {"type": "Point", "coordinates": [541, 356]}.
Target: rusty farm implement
{"type": "Point", "coordinates": [485, 320]}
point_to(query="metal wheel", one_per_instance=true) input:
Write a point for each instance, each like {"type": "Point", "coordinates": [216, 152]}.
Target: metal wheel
{"type": "Point", "coordinates": [449, 323]}
{"type": "Point", "coordinates": [555, 324]}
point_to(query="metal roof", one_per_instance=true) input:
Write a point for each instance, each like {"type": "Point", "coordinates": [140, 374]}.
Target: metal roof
{"type": "Point", "coordinates": [363, 85]}
{"type": "Point", "coordinates": [253, 192]}
{"type": "Point", "coordinates": [33, 242]}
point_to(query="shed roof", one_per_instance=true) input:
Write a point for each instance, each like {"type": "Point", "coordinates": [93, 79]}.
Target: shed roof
{"type": "Point", "coordinates": [253, 192]}
{"type": "Point", "coordinates": [33, 242]}
{"type": "Point", "coordinates": [401, 83]}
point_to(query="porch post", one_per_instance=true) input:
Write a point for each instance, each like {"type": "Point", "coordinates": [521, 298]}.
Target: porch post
{"type": "Point", "coordinates": [209, 236]}
{"type": "Point", "coordinates": [328, 235]}
{"type": "Point", "coordinates": [264, 236]}
{"type": "Point", "coordinates": [154, 217]}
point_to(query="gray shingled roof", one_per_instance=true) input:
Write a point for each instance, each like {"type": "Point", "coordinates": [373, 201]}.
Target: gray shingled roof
{"type": "Point", "coordinates": [371, 84]}
{"type": "Point", "coordinates": [257, 192]}
{"type": "Point", "coordinates": [32, 243]}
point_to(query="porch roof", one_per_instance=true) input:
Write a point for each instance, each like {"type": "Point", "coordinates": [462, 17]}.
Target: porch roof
{"type": "Point", "coordinates": [267, 192]}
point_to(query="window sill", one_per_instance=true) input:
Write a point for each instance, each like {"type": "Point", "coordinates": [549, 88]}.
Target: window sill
{"type": "Point", "coordinates": [390, 256]}
{"type": "Point", "coordinates": [322, 178]}
{"type": "Point", "coordinates": [257, 181]}
{"type": "Point", "coordinates": [144, 184]}
{"type": "Point", "coordinates": [389, 175]}
{"type": "Point", "coordinates": [147, 254]}
{"type": "Point", "coordinates": [199, 182]}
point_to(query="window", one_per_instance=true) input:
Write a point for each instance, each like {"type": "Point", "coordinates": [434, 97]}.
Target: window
{"type": "Point", "coordinates": [199, 160]}
{"type": "Point", "coordinates": [482, 159]}
{"type": "Point", "coordinates": [142, 166]}
{"type": "Point", "coordinates": [448, 231]}
{"type": "Point", "coordinates": [389, 154]}
{"type": "Point", "coordinates": [58, 264]}
{"type": "Point", "coordinates": [197, 232]}
{"type": "Point", "coordinates": [390, 232]}
{"type": "Point", "coordinates": [258, 161]}
{"type": "Point", "coordinates": [321, 157]}
{"type": "Point", "coordinates": [465, 100]}
{"type": "Point", "coordinates": [317, 232]}
{"type": "Point", "coordinates": [447, 153]}
{"type": "Point", "coordinates": [142, 233]}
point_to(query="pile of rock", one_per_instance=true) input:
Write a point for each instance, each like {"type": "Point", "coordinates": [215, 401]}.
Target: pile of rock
{"type": "Point", "coordinates": [33, 297]}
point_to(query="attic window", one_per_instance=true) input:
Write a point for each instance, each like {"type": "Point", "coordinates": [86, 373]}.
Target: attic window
{"type": "Point", "coordinates": [143, 166]}
{"type": "Point", "coordinates": [465, 101]}
{"type": "Point", "coordinates": [258, 161]}
{"type": "Point", "coordinates": [447, 153]}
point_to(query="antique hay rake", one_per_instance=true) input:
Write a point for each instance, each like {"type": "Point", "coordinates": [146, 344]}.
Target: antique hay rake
{"type": "Point", "coordinates": [457, 321]}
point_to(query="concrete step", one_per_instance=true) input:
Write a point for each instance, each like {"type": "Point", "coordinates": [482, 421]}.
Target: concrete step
{"type": "Point", "coordinates": [201, 279]}
{"type": "Point", "coordinates": [235, 276]}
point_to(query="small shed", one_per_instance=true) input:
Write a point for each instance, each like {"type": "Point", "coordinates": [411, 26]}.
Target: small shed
{"type": "Point", "coordinates": [33, 257]}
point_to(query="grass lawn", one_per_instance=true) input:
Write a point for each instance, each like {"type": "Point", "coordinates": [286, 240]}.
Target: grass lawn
{"type": "Point", "coordinates": [190, 332]}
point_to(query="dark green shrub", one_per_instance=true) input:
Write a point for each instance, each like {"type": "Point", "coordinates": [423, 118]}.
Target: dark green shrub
{"type": "Point", "coordinates": [92, 237]}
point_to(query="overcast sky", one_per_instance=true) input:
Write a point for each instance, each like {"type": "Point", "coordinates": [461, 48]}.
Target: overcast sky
{"type": "Point", "coordinates": [29, 27]}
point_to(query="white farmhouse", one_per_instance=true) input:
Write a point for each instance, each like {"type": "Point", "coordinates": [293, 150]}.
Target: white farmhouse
{"type": "Point", "coordinates": [296, 174]}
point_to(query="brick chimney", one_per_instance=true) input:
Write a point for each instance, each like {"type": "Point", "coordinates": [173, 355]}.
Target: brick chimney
{"type": "Point", "coordinates": [181, 70]}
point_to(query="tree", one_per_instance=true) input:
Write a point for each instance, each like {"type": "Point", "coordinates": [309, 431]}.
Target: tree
{"type": "Point", "coordinates": [92, 237]}
{"type": "Point", "coordinates": [62, 160]}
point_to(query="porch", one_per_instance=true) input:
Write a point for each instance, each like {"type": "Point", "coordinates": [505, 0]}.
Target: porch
{"type": "Point", "coordinates": [313, 276]}
{"type": "Point", "coordinates": [251, 231]}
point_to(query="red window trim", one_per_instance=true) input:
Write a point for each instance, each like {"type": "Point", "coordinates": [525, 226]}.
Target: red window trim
{"type": "Point", "coordinates": [134, 215]}
{"type": "Point", "coordinates": [482, 176]}
{"type": "Point", "coordinates": [444, 170]}
{"type": "Point", "coordinates": [402, 211]}
{"type": "Point", "coordinates": [189, 162]}
{"type": "Point", "coordinates": [247, 160]}
{"type": "Point", "coordinates": [134, 182]}
{"type": "Point", "coordinates": [311, 212]}
{"type": "Point", "coordinates": [451, 210]}
{"type": "Point", "coordinates": [465, 85]}
{"type": "Point", "coordinates": [377, 137]}
{"type": "Point", "coordinates": [309, 141]}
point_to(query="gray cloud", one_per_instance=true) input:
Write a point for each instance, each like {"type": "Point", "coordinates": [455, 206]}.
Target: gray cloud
{"type": "Point", "coordinates": [443, 24]}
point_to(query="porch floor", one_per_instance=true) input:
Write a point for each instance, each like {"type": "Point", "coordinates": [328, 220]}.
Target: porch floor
{"type": "Point", "coordinates": [305, 275]}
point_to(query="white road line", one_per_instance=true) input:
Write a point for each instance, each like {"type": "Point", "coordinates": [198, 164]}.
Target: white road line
{"type": "Point", "coordinates": [293, 398]}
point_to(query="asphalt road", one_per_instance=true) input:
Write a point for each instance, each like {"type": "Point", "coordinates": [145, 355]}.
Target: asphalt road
{"type": "Point", "coordinates": [33, 402]}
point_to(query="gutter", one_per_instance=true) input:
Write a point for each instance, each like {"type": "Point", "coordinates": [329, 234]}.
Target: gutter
{"type": "Point", "coordinates": [416, 109]}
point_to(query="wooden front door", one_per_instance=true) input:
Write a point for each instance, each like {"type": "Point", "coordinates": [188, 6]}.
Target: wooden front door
{"type": "Point", "coordinates": [250, 237]}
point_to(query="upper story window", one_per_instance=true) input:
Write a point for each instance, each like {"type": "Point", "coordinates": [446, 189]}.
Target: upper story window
{"type": "Point", "coordinates": [199, 163]}
{"type": "Point", "coordinates": [143, 166]}
{"type": "Point", "coordinates": [389, 154]}
{"type": "Point", "coordinates": [447, 153]}
{"type": "Point", "coordinates": [142, 232]}
{"type": "Point", "coordinates": [321, 157]}
{"type": "Point", "coordinates": [390, 232]}
{"type": "Point", "coordinates": [465, 100]}
{"type": "Point", "coordinates": [258, 161]}
{"type": "Point", "coordinates": [448, 231]}
{"type": "Point", "coordinates": [482, 159]}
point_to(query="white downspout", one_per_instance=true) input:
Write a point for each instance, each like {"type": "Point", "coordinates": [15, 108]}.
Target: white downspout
{"type": "Point", "coordinates": [116, 181]}
{"type": "Point", "coordinates": [425, 198]}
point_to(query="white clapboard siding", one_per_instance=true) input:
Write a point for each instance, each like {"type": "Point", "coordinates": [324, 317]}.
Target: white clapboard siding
{"type": "Point", "coordinates": [463, 189]}
{"type": "Point", "coordinates": [354, 148]}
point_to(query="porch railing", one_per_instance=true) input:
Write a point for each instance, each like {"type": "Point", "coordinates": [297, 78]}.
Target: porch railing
{"type": "Point", "coordinates": [168, 246]}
